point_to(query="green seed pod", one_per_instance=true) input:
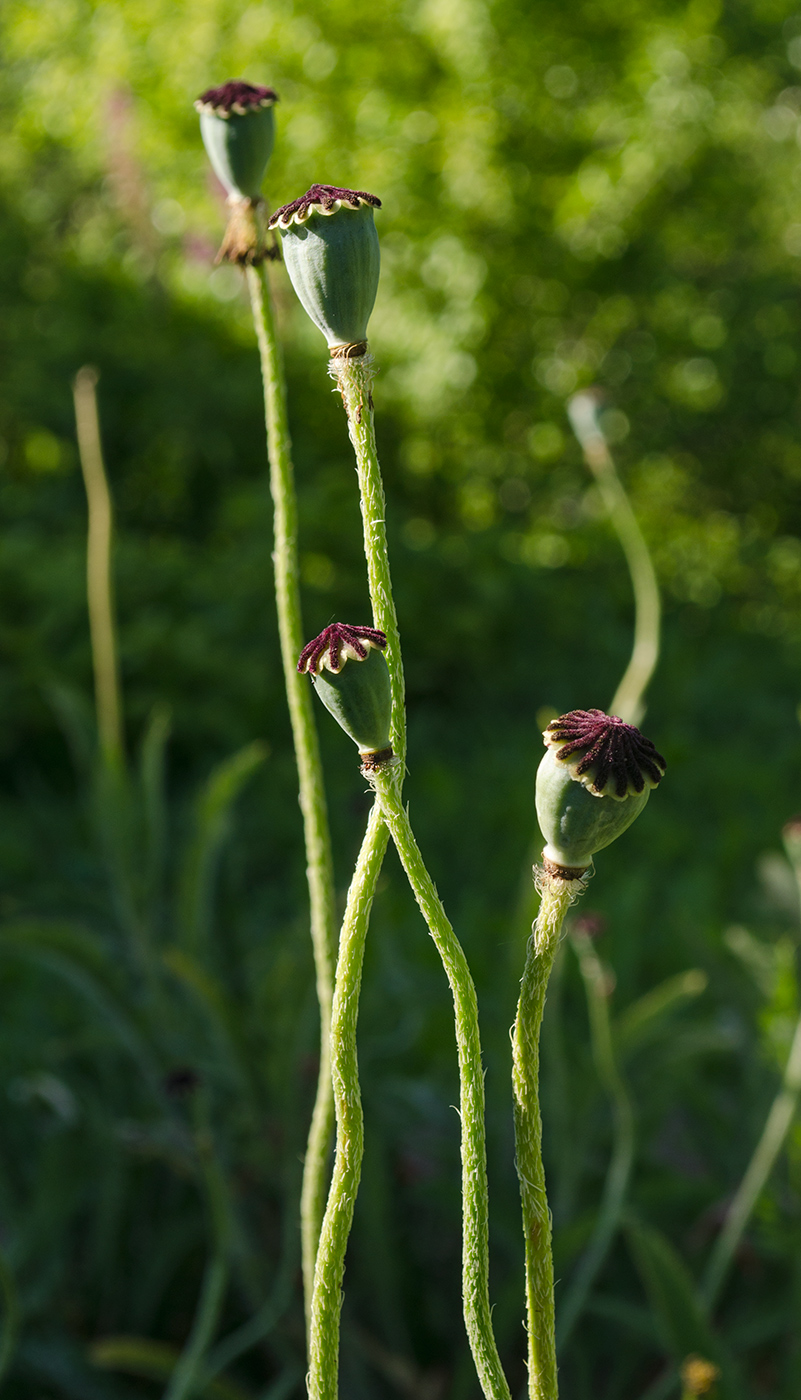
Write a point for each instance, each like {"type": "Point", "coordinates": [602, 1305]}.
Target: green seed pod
{"type": "Point", "coordinates": [351, 678]}
{"type": "Point", "coordinates": [592, 783]}
{"type": "Point", "coordinates": [238, 130]}
{"type": "Point", "coordinates": [330, 247]}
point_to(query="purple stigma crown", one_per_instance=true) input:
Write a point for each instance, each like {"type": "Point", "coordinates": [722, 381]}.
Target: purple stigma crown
{"type": "Point", "coordinates": [321, 199]}
{"type": "Point", "coordinates": [235, 98]}
{"type": "Point", "coordinates": [599, 747]}
{"type": "Point", "coordinates": [337, 644]}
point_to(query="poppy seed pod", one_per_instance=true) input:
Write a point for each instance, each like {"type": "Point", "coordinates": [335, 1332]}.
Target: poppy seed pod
{"type": "Point", "coordinates": [592, 783]}
{"type": "Point", "coordinates": [351, 677]}
{"type": "Point", "coordinates": [330, 247]}
{"type": "Point", "coordinates": [238, 130]}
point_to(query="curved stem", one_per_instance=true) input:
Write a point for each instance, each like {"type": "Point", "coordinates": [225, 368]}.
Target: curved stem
{"type": "Point", "coordinates": [100, 592]}
{"type": "Point", "coordinates": [330, 1264]}
{"type": "Point", "coordinates": [629, 699]}
{"type": "Point", "coordinates": [354, 379]}
{"type": "Point", "coordinates": [319, 865]}
{"type": "Point", "coordinates": [557, 896]}
{"type": "Point", "coordinates": [759, 1168]}
{"type": "Point", "coordinates": [619, 1171]}
{"type": "Point", "coordinates": [475, 1209]}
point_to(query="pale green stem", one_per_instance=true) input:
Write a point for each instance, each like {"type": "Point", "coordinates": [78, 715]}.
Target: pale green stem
{"type": "Point", "coordinates": [619, 1171]}
{"type": "Point", "coordinates": [759, 1168]}
{"type": "Point", "coordinates": [629, 698]}
{"type": "Point", "coordinates": [319, 865]}
{"type": "Point", "coordinates": [323, 1382]}
{"type": "Point", "coordinates": [100, 590]}
{"type": "Point", "coordinates": [326, 1303]}
{"type": "Point", "coordinates": [354, 379]}
{"type": "Point", "coordinates": [475, 1209]}
{"type": "Point", "coordinates": [557, 896]}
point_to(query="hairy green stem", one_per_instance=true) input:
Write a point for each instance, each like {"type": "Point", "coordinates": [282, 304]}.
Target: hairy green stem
{"type": "Point", "coordinates": [629, 699]}
{"type": "Point", "coordinates": [319, 865]}
{"type": "Point", "coordinates": [620, 1164]}
{"type": "Point", "coordinates": [354, 380]}
{"type": "Point", "coordinates": [330, 1265]}
{"type": "Point", "coordinates": [475, 1209]}
{"type": "Point", "coordinates": [557, 896]}
{"type": "Point", "coordinates": [100, 591]}
{"type": "Point", "coordinates": [773, 1137]}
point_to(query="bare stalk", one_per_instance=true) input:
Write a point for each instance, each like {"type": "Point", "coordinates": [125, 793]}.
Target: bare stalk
{"type": "Point", "coordinates": [557, 896]}
{"type": "Point", "coordinates": [629, 699]}
{"type": "Point", "coordinates": [319, 863]}
{"type": "Point", "coordinates": [100, 589]}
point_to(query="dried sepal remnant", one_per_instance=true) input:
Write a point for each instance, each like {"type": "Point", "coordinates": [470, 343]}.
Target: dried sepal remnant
{"type": "Point", "coordinates": [321, 199]}
{"type": "Point", "coordinates": [337, 644]}
{"type": "Point", "coordinates": [607, 756]}
{"type": "Point", "coordinates": [235, 98]}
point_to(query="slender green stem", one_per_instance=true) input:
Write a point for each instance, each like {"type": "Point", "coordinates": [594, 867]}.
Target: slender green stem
{"type": "Point", "coordinates": [619, 1171]}
{"type": "Point", "coordinates": [475, 1210]}
{"type": "Point", "coordinates": [354, 380]}
{"type": "Point", "coordinates": [759, 1168]}
{"type": "Point", "coordinates": [354, 383]}
{"type": "Point", "coordinates": [557, 896]}
{"type": "Point", "coordinates": [100, 590]}
{"type": "Point", "coordinates": [319, 865]}
{"type": "Point", "coordinates": [629, 698]}
{"type": "Point", "coordinates": [330, 1264]}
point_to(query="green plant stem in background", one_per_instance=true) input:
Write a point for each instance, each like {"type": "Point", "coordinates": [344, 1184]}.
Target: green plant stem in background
{"type": "Point", "coordinates": [759, 1168]}
{"type": "Point", "coordinates": [629, 698]}
{"type": "Point", "coordinates": [330, 1264]}
{"type": "Point", "coordinates": [319, 865]}
{"type": "Point", "coordinates": [98, 567]}
{"type": "Point", "coordinates": [619, 1172]}
{"type": "Point", "coordinates": [557, 896]}
{"type": "Point", "coordinates": [475, 1211]}
{"type": "Point", "coordinates": [188, 1375]}
{"type": "Point", "coordinates": [354, 379]}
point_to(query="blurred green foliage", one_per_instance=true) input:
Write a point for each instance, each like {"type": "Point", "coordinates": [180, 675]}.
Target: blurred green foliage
{"type": "Point", "coordinates": [595, 193]}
